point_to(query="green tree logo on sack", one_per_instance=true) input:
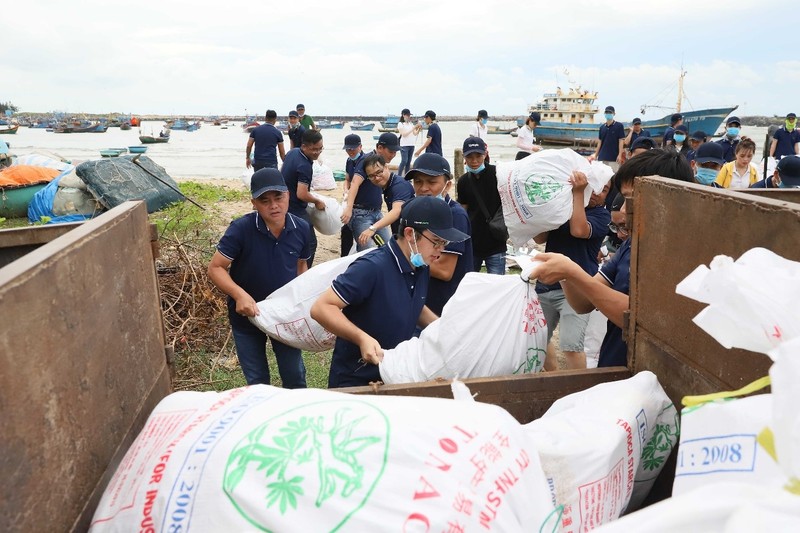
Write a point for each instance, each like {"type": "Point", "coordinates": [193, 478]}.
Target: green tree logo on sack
{"type": "Point", "coordinates": [315, 464]}
{"type": "Point", "coordinates": [541, 189]}
{"type": "Point", "coordinates": [658, 448]}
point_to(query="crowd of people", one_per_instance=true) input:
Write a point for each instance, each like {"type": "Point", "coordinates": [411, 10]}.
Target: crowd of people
{"type": "Point", "coordinates": [428, 240]}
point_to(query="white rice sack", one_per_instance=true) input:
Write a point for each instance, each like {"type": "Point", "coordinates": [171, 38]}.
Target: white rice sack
{"type": "Point", "coordinates": [46, 159]}
{"type": "Point", "coordinates": [536, 193]}
{"type": "Point", "coordinates": [329, 220]}
{"type": "Point", "coordinates": [468, 342]}
{"type": "Point", "coordinates": [73, 201]}
{"type": "Point", "coordinates": [269, 459]}
{"type": "Point", "coordinates": [602, 448]}
{"type": "Point", "coordinates": [322, 177]}
{"type": "Point", "coordinates": [72, 180]}
{"type": "Point", "coordinates": [285, 314]}
{"type": "Point", "coordinates": [716, 508]}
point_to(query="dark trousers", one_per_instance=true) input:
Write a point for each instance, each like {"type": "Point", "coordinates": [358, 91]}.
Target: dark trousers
{"type": "Point", "coordinates": [251, 349]}
{"type": "Point", "coordinates": [347, 240]}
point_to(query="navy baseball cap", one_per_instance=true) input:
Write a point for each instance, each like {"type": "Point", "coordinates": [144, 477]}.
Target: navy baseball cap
{"type": "Point", "coordinates": [699, 135]}
{"type": "Point", "coordinates": [733, 120]}
{"type": "Point", "coordinates": [683, 127]}
{"type": "Point", "coordinates": [405, 111]}
{"type": "Point", "coordinates": [389, 141]}
{"type": "Point", "coordinates": [474, 145]}
{"type": "Point", "coordinates": [789, 170]}
{"type": "Point", "coordinates": [294, 113]}
{"type": "Point", "coordinates": [300, 106]}
{"type": "Point", "coordinates": [432, 214]}
{"type": "Point", "coordinates": [430, 114]}
{"type": "Point", "coordinates": [637, 120]}
{"type": "Point", "coordinates": [710, 153]}
{"type": "Point", "coordinates": [429, 164]}
{"type": "Point", "coordinates": [791, 116]}
{"type": "Point", "coordinates": [266, 180]}
{"type": "Point", "coordinates": [351, 142]}
{"type": "Point", "coordinates": [610, 109]}
{"type": "Point", "coordinates": [483, 114]}
{"type": "Point", "coordinates": [643, 142]}
{"type": "Point", "coordinates": [535, 117]}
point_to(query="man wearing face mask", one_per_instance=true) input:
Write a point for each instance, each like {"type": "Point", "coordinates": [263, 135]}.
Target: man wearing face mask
{"type": "Point", "coordinates": [786, 175]}
{"type": "Point", "coordinates": [786, 140]}
{"type": "Point", "coordinates": [679, 140]}
{"type": "Point", "coordinates": [635, 132]}
{"type": "Point", "coordinates": [611, 141]}
{"type": "Point", "coordinates": [708, 161]}
{"type": "Point", "coordinates": [430, 175]}
{"type": "Point", "coordinates": [674, 121]}
{"type": "Point", "coordinates": [731, 138]}
{"type": "Point", "coordinates": [480, 184]}
{"type": "Point", "coordinates": [379, 301]}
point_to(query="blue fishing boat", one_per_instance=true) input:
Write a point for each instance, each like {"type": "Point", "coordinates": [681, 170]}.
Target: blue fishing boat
{"type": "Point", "coordinates": [568, 118]}
{"type": "Point", "coordinates": [357, 125]}
{"type": "Point", "coordinates": [391, 122]}
{"type": "Point", "coordinates": [327, 124]}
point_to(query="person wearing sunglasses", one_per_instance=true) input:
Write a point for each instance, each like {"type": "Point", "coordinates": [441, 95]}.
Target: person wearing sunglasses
{"type": "Point", "coordinates": [379, 301]}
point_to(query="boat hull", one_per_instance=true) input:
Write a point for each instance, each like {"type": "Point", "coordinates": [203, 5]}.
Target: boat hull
{"type": "Point", "coordinates": [9, 131]}
{"type": "Point", "coordinates": [707, 120]}
{"type": "Point", "coordinates": [147, 139]}
{"type": "Point", "coordinates": [362, 127]}
{"type": "Point", "coordinates": [14, 200]}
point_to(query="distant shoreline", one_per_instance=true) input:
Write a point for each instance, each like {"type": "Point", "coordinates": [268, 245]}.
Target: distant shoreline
{"type": "Point", "coordinates": [752, 120]}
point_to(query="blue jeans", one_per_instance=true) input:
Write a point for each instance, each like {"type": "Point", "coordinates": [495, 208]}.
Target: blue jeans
{"type": "Point", "coordinates": [406, 153]}
{"type": "Point", "coordinates": [251, 349]}
{"type": "Point", "coordinates": [312, 240]}
{"type": "Point", "coordinates": [495, 263]}
{"type": "Point", "coordinates": [363, 219]}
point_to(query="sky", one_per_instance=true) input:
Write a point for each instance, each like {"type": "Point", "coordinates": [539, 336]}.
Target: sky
{"type": "Point", "coordinates": [179, 57]}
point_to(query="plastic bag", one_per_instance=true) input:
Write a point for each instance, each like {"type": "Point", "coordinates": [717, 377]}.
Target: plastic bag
{"type": "Point", "coordinates": [536, 194]}
{"type": "Point", "coordinates": [322, 178]}
{"type": "Point", "coordinates": [269, 459]}
{"type": "Point", "coordinates": [754, 302]}
{"type": "Point", "coordinates": [492, 326]}
{"type": "Point", "coordinates": [285, 314]}
{"type": "Point", "coordinates": [601, 449]}
{"type": "Point", "coordinates": [329, 220]}
{"type": "Point", "coordinates": [246, 176]}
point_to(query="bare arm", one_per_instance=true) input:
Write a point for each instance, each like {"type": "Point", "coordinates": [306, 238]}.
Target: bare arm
{"type": "Point", "coordinates": [281, 151]}
{"type": "Point", "coordinates": [444, 267]}
{"type": "Point", "coordinates": [250, 143]}
{"type": "Point", "coordinates": [772, 146]}
{"type": "Point", "coordinates": [219, 275]}
{"type": "Point", "coordinates": [352, 192]}
{"type": "Point", "coordinates": [584, 292]}
{"type": "Point", "coordinates": [424, 145]}
{"type": "Point", "coordinates": [304, 195]}
{"type": "Point", "coordinates": [541, 238]}
{"type": "Point", "coordinates": [426, 317]}
{"type": "Point", "coordinates": [302, 266]}
{"type": "Point", "coordinates": [578, 225]}
{"type": "Point", "coordinates": [327, 310]}
{"type": "Point", "coordinates": [384, 222]}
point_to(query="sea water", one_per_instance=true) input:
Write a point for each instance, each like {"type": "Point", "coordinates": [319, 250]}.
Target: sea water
{"type": "Point", "coordinates": [214, 152]}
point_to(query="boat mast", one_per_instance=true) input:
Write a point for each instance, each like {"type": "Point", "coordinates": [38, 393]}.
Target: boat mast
{"type": "Point", "coordinates": [680, 90]}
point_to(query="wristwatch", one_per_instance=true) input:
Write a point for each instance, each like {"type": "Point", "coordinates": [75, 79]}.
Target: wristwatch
{"type": "Point", "coordinates": [372, 229]}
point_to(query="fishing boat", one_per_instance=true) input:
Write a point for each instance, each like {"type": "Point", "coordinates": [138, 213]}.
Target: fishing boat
{"type": "Point", "coordinates": [497, 130]}
{"type": "Point", "coordinates": [328, 125]}
{"type": "Point", "coordinates": [137, 149]}
{"type": "Point", "coordinates": [390, 123]}
{"type": "Point", "coordinates": [125, 126]}
{"type": "Point", "coordinates": [10, 130]}
{"type": "Point", "coordinates": [247, 127]}
{"type": "Point", "coordinates": [357, 125]}
{"type": "Point", "coordinates": [14, 199]}
{"type": "Point", "coordinates": [110, 153]}
{"type": "Point", "coordinates": [149, 139]}
{"type": "Point", "coordinates": [568, 117]}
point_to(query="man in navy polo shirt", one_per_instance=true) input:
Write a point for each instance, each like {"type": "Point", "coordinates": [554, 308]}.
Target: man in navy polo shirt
{"type": "Point", "coordinates": [610, 145]}
{"type": "Point", "coordinates": [733, 127]}
{"type": "Point", "coordinates": [675, 121]}
{"type": "Point", "coordinates": [296, 130]}
{"type": "Point", "coordinates": [396, 192]}
{"type": "Point", "coordinates": [352, 146]}
{"type": "Point", "coordinates": [297, 171]}
{"type": "Point", "coordinates": [430, 175]}
{"type": "Point", "coordinates": [259, 253]}
{"type": "Point", "coordinates": [379, 301]}
{"type": "Point", "coordinates": [697, 138]}
{"type": "Point", "coordinates": [635, 132]}
{"type": "Point", "coordinates": [579, 239]}
{"type": "Point", "coordinates": [433, 142]}
{"type": "Point", "coordinates": [608, 289]}
{"type": "Point", "coordinates": [266, 139]}
{"type": "Point", "coordinates": [786, 140]}
{"type": "Point", "coordinates": [363, 207]}
{"type": "Point", "coordinates": [786, 175]}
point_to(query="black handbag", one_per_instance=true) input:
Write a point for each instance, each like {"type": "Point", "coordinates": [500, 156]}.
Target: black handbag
{"type": "Point", "coordinates": [496, 222]}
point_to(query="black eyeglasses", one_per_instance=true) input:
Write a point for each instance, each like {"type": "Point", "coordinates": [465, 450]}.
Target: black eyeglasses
{"type": "Point", "coordinates": [618, 229]}
{"type": "Point", "coordinates": [440, 244]}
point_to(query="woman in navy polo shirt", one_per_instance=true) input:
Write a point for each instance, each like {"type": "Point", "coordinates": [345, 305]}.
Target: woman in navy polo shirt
{"type": "Point", "coordinates": [259, 253]}
{"type": "Point", "coordinates": [379, 300]}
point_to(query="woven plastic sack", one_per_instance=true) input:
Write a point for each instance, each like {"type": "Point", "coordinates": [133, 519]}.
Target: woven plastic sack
{"type": "Point", "coordinates": [329, 220]}
{"type": "Point", "coordinates": [536, 194]}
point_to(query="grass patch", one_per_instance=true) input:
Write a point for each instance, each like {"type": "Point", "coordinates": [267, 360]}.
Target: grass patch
{"type": "Point", "coordinates": [9, 223]}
